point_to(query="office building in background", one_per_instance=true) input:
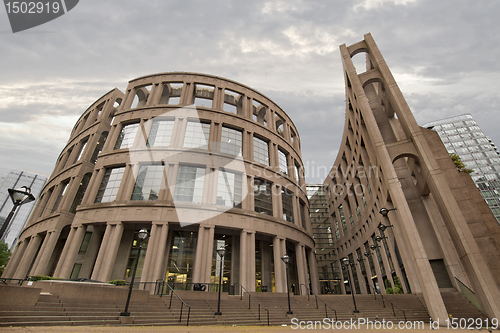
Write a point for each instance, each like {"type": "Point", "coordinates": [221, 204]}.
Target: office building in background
{"type": "Point", "coordinates": [461, 135]}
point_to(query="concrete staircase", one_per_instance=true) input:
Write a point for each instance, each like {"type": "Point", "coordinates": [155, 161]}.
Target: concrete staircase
{"type": "Point", "coordinates": [52, 310]}
{"type": "Point", "coordinates": [458, 306]}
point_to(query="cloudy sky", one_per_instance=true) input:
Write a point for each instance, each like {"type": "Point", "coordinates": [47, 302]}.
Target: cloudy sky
{"type": "Point", "coordinates": [444, 55]}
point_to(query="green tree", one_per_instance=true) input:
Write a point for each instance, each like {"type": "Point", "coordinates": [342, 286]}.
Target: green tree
{"type": "Point", "coordinates": [388, 287]}
{"type": "Point", "coordinates": [459, 164]}
{"type": "Point", "coordinates": [398, 289]}
{"type": "Point", "coordinates": [4, 256]}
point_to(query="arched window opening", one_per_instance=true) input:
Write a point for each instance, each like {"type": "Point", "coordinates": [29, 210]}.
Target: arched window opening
{"type": "Point", "coordinates": [259, 112]}
{"type": "Point", "coordinates": [362, 62]}
{"type": "Point", "coordinates": [81, 192]}
{"type": "Point", "coordinates": [171, 93]}
{"type": "Point", "coordinates": [99, 145]}
{"type": "Point", "coordinates": [141, 96]}
{"type": "Point", "coordinates": [280, 126]}
{"type": "Point", "coordinates": [203, 95]}
{"type": "Point", "coordinates": [233, 102]}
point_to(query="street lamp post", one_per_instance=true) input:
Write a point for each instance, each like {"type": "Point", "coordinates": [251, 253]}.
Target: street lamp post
{"type": "Point", "coordinates": [347, 265]}
{"type": "Point", "coordinates": [221, 252]}
{"type": "Point", "coordinates": [286, 260]}
{"type": "Point", "coordinates": [142, 234]}
{"type": "Point", "coordinates": [18, 197]}
{"type": "Point", "coordinates": [368, 256]}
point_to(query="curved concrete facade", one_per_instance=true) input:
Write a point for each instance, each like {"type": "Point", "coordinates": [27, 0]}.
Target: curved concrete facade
{"type": "Point", "coordinates": [439, 233]}
{"type": "Point", "coordinates": [200, 161]}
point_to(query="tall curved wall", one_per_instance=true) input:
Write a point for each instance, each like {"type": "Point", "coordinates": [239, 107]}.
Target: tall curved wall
{"type": "Point", "coordinates": [386, 160]}
{"type": "Point", "coordinates": [201, 162]}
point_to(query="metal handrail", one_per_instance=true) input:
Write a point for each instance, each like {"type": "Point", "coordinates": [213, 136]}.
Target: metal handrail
{"type": "Point", "coordinates": [317, 297]}
{"type": "Point", "coordinates": [392, 304]}
{"type": "Point", "coordinates": [19, 281]}
{"type": "Point", "coordinates": [249, 295]}
{"type": "Point", "coordinates": [163, 283]}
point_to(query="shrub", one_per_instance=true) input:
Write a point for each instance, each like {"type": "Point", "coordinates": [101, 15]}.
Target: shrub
{"type": "Point", "coordinates": [118, 282]}
{"type": "Point", "coordinates": [398, 289]}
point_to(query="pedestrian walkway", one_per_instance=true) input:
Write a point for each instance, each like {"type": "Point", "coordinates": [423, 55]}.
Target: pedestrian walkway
{"type": "Point", "coordinates": [209, 329]}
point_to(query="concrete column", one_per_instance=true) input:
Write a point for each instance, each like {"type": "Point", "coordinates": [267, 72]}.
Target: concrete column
{"type": "Point", "coordinates": [296, 210]}
{"type": "Point", "coordinates": [92, 251]}
{"type": "Point", "coordinates": [171, 171]}
{"type": "Point", "coordinates": [361, 277]}
{"type": "Point", "coordinates": [154, 94]}
{"type": "Point", "coordinates": [64, 252]}
{"type": "Point", "coordinates": [198, 256]}
{"type": "Point", "coordinates": [249, 200]}
{"type": "Point", "coordinates": [112, 249]}
{"type": "Point", "coordinates": [128, 182]}
{"type": "Point", "coordinates": [45, 255]}
{"type": "Point", "coordinates": [313, 271]}
{"type": "Point", "coordinates": [102, 251]}
{"type": "Point", "coordinates": [24, 266]}
{"type": "Point", "coordinates": [187, 94]}
{"type": "Point", "coordinates": [265, 264]}
{"type": "Point", "coordinates": [251, 261]}
{"type": "Point", "coordinates": [379, 272]}
{"type": "Point", "coordinates": [15, 258]}
{"type": "Point", "coordinates": [72, 252]}
{"type": "Point", "coordinates": [273, 156]}
{"type": "Point", "coordinates": [209, 243]}
{"type": "Point", "coordinates": [150, 253]}
{"type": "Point", "coordinates": [301, 268]}
{"type": "Point", "coordinates": [249, 146]}
{"type": "Point", "coordinates": [243, 259]}
{"type": "Point", "coordinates": [40, 253]}
{"type": "Point", "coordinates": [276, 199]}
{"type": "Point", "coordinates": [93, 187]}
{"type": "Point", "coordinates": [279, 266]}
{"type": "Point", "coordinates": [210, 188]}
{"type": "Point", "coordinates": [160, 253]}
{"type": "Point", "coordinates": [204, 251]}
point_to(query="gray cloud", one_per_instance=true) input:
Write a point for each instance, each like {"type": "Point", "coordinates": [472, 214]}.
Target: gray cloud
{"type": "Point", "coordinates": [443, 55]}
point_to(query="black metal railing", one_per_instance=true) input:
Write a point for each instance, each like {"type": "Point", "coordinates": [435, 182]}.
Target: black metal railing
{"type": "Point", "coordinates": [249, 300]}
{"type": "Point", "coordinates": [12, 281]}
{"type": "Point", "coordinates": [392, 304]}
{"type": "Point", "coordinates": [208, 287]}
{"type": "Point", "coordinates": [310, 292]}
{"type": "Point", "coordinates": [160, 283]}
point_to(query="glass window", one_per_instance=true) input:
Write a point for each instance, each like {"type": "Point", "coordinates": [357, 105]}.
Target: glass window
{"type": "Point", "coordinates": [127, 136]}
{"type": "Point", "coordinates": [260, 151]}
{"type": "Point", "coordinates": [287, 201]}
{"type": "Point", "coordinates": [109, 185]}
{"type": "Point", "coordinates": [283, 163]}
{"type": "Point", "coordinates": [189, 186]}
{"type": "Point", "coordinates": [197, 135]}
{"type": "Point", "coordinates": [180, 262]}
{"type": "Point", "coordinates": [148, 182]}
{"type": "Point", "coordinates": [229, 189]}
{"type": "Point", "coordinates": [231, 141]}
{"type": "Point", "coordinates": [263, 199]}
{"type": "Point", "coordinates": [160, 133]}
{"type": "Point", "coordinates": [342, 219]}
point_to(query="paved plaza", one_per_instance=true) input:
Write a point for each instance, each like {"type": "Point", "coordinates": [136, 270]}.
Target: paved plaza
{"type": "Point", "coordinates": [204, 329]}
